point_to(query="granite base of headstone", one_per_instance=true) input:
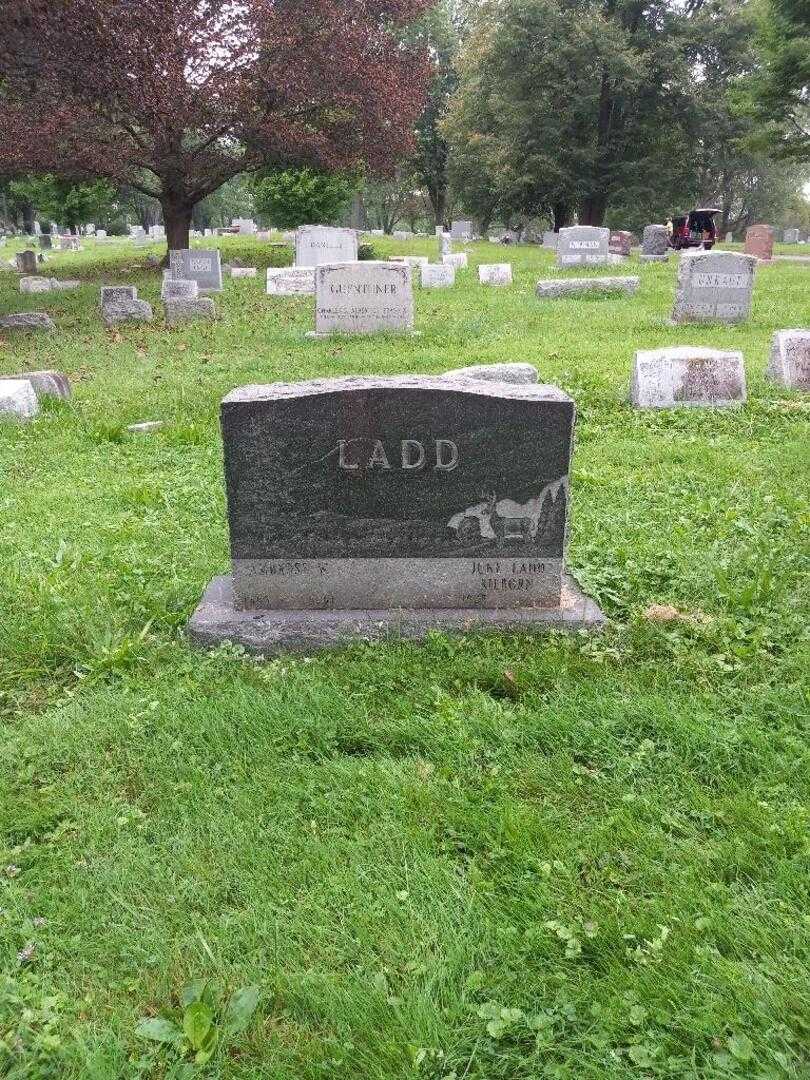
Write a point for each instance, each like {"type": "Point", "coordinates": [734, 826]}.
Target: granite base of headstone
{"type": "Point", "coordinates": [35, 285]}
{"type": "Point", "coordinates": [28, 322]}
{"type": "Point", "coordinates": [555, 288]}
{"type": "Point", "coordinates": [44, 383]}
{"type": "Point", "coordinates": [687, 376]}
{"type": "Point", "coordinates": [495, 273]}
{"type": "Point", "coordinates": [18, 400]}
{"type": "Point", "coordinates": [363, 298]}
{"type": "Point", "coordinates": [509, 373]}
{"type": "Point", "coordinates": [789, 363]}
{"type": "Point", "coordinates": [437, 276]}
{"type": "Point", "coordinates": [182, 310]}
{"type": "Point", "coordinates": [714, 286]}
{"type": "Point", "coordinates": [363, 509]}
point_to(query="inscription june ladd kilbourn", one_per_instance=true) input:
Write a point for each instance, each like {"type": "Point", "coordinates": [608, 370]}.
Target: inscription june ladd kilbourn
{"type": "Point", "coordinates": [404, 491]}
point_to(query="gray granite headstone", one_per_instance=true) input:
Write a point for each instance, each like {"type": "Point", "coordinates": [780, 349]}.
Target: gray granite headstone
{"type": "Point", "coordinates": [202, 265]}
{"type": "Point", "coordinates": [655, 243]}
{"type": "Point", "coordinates": [30, 321]}
{"type": "Point", "coordinates": [687, 375]}
{"type": "Point", "coordinates": [550, 238]}
{"type": "Point", "coordinates": [361, 507]}
{"type": "Point", "coordinates": [363, 298]}
{"type": "Point", "coordinates": [127, 311]}
{"type": "Point", "coordinates": [461, 230]}
{"type": "Point", "coordinates": [437, 276]}
{"type": "Point", "coordinates": [714, 285]}
{"type": "Point", "coordinates": [182, 309]}
{"type": "Point", "coordinates": [45, 241]}
{"type": "Point", "coordinates": [582, 245]}
{"type": "Point", "coordinates": [18, 401]}
{"type": "Point", "coordinates": [791, 236]}
{"type": "Point", "coordinates": [178, 289]}
{"type": "Point", "coordinates": [45, 383]}
{"type": "Point", "coordinates": [115, 294]}
{"type": "Point", "coordinates": [317, 245]}
{"type": "Point", "coordinates": [789, 364]}
{"type": "Point", "coordinates": [27, 261]}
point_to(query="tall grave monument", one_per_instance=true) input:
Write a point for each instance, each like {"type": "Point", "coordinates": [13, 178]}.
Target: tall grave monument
{"type": "Point", "coordinates": [366, 507]}
{"type": "Point", "coordinates": [582, 245]}
{"type": "Point", "coordinates": [317, 245]}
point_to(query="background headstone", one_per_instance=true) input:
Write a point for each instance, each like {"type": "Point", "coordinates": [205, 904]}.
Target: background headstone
{"type": "Point", "coordinates": [509, 373]}
{"type": "Point", "coordinates": [620, 242]}
{"type": "Point", "coordinates": [495, 273]}
{"type": "Point", "coordinates": [116, 294]}
{"type": "Point", "coordinates": [550, 239]}
{"type": "Point", "coordinates": [178, 289]}
{"type": "Point", "coordinates": [655, 243]}
{"type": "Point", "coordinates": [363, 298]}
{"type": "Point", "coordinates": [27, 261]}
{"type": "Point", "coordinates": [714, 285]}
{"type": "Point", "coordinates": [789, 364]}
{"type": "Point", "coordinates": [184, 309]}
{"type": "Point", "coordinates": [461, 230]}
{"type": "Point", "coordinates": [35, 284]}
{"type": "Point", "coordinates": [18, 401]}
{"type": "Point", "coordinates": [554, 288]}
{"type": "Point", "coordinates": [30, 321]}
{"type": "Point", "coordinates": [458, 260]}
{"type": "Point", "coordinates": [437, 276]}
{"type": "Point", "coordinates": [791, 236]}
{"type": "Point", "coordinates": [45, 241]}
{"type": "Point", "coordinates": [202, 265]}
{"type": "Point", "coordinates": [582, 245]}
{"type": "Point", "coordinates": [290, 280]}
{"type": "Point", "coordinates": [729, 237]}
{"type": "Point", "coordinates": [759, 242]}
{"type": "Point", "coordinates": [121, 311]}
{"type": "Point", "coordinates": [686, 375]}
{"type": "Point", "coordinates": [319, 245]}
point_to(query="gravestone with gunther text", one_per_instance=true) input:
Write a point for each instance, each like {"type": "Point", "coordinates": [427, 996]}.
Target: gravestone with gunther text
{"type": "Point", "coordinates": [363, 298]}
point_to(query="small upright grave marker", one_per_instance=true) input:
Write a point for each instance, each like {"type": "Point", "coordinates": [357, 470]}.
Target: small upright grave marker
{"type": "Point", "coordinates": [495, 273]}
{"type": "Point", "coordinates": [620, 242]}
{"type": "Point", "coordinates": [290, 280]}
{"type": "Point", "coordinates": [759, 242]}
{"type": "Point", "coordinates": [789, 364]}
{"type": "Point", "coordinates": [202, 265]}
{"type": "Point", "coordinates": [687, 375]}
{"type": "Point", "coordinates": [27, 261]}
{"type": "Point", "coordinates": [18, 401]}
{"type": "Point", "coordinates": [461, 230]}
{"type": "Point", "coordinates": [437, 276]}
{"type": "Point", "coordinates": [655, 243]}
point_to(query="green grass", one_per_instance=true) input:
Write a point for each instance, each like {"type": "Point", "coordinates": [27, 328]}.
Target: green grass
{"type": "Point", "coordinates": [593, 867]}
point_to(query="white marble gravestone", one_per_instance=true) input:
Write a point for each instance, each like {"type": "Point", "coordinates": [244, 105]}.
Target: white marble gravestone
{"type": "Point", "coordinates": [290, 280]}
{"type": "Point", "coordinates": [495, 273]}
{"type": "Point", "coordinates": [437, 276]}
{"type": "Point", "coordinates": [789, 364]}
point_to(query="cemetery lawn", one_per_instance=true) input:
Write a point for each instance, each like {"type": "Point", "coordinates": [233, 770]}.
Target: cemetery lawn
{"type": "Point", "coordinates": [485, 857]}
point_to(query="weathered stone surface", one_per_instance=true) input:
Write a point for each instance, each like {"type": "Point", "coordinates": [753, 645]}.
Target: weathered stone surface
{"type": "Point", "coordinates": [458, 260]}
{"type": "Point", "coordinates": [620, 242]}
{"type": "Point", "coordinates": [582, 245]}
{"type": "Point", "coordinates": [18, 401]}
{"type": "Point", "coordinates": [28, 321]}
{"type": "Point", "coordinates": [182, 310]}
{"type": "Point", "coordinates": [410, 260]}
{"type": "Point", "coordinates": [274, 633]}
{"type": "Point", "coordinates": [202, 265]}
{"type": "Point", "coordinates": [791, 236]}
{"type": "Point", "coordinates": [291, 281]}
{"type": "Point", "coordinates": [178, 289]}
{"type": "Point", "coordinates": [146, 427]}
{"type": "Point", "coordinates": [318, 245]}
{"type": "Point", "coordinates": [655, 243]}
{"type": "Point", "coordinates": [445, 244]}
{"type": "Point", "coordinates": [45, 241]}
{"type": "Point", "coordinates": [115, 294]}
{"type": "Point", "coordinates": [557, 287]}
{"type": "Point", "coordinates": [461, 230]}
{"type": "Point", "coordinates": [35, 284]}
{"type": "Point", "coordinates": [495, 273]}
{"type": "Point", "coordinates": [64, 284]}
{"type": "Point", "coordinates": [759, 242]}
{"type": "Point", "coordinates": [714, 285]}
{"type": "Point", "coordinates": [127, 311]}
{"type": "Point", "coordinates": [789, 364]}
{"type": "Point", "coordinates": [244, 272]}
{"type": "Point", "coordinates": [729, 237]}
{"type": "Point", "coordinates": [397, 492]}
{"type": "Point", "coordinates": [437, 276]}
{"type": "Point", "coordinates": [26, 261]}
{"type": "Point", "coordinates": [44, 383]}
{"type": "Point", "coordinates": [687, 375]}
{"type": "Point", "coordinates": [509, 373]}
{"type": "Point", "coordinates": [550, 238]}
{"type": "Point", "coordinates": [363, 298]}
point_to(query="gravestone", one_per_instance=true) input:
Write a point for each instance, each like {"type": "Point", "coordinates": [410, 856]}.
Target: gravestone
{"type": "Point", "coordinates": [318, 245]}
{"type": "Point", "coordinates": [28, 321]}
{"type": "Point", "coordinates": [27, 261]}
{"type": "Point", "coordinates": [116, 294]}
{"type": "Point", "coordinates": [157, 232]}
{"type": "Point", "coordinates": [461, 230]}
{"type": "Point", "coordinates": [495, 273]}
{"type": "Point", "coordinates": [63, 284]}
{"type": "Point", "coordinates": [620, 242]}
{"type": "Point", "coordinates": [458, 260]}
{"type": "Point", "coordinates": [687, 375]}
{"type": "Point", "coordinates": [655, 243]}
{"type": "Point", "coordinates": [18, 401]}
{"type": "Point", "coordinates": [729, 237]}
{"type": "Point", "coordinates": [759, 242]}
{"type": "Point", "coordinates": [510, 373]}
{"type": "Point", "coordinates": [582, 245]}
{"type": "Point", "coordinates": [290, 280]}
{"type": "Point", "coordinates": [45, 241]}
{"type": "Point", "coordinates": [363, 298]}
{"type": "Point", "coordinates": [550, 238]}
{"type": "Point", "coordinates": [364, 507]}
{"type": "Point", "coordinates": [714, 285]}
{"type": "Point", "coordinates": [445, 244]}
{"type": "Point", "coordinates": [791, 236]}
{"type": "Point", "coordinates": [202, 265]}
{"type": "Point", "coordinates": [244, 272]}
{"type": "Point", "coordinates": [554, 288]}
{"type": "Point", "coordinates": [789, 364]}
{"type": "Point", "coordinates": [409, 260]}
{"type": "Point", "coordinates": [126, 309]}
{"type": "Point", "coordinates": [437, 276]}
{"type": "Point", "coordinates": [178, 289]}
{"type": "Point", "coordinates": [402, 234]}
{"type": "Point", "coordinates": [35, 284]}
{"type": "Point", "coordinates": [44, 383]}
{"type": "Point", "coordinates": [184, 309]}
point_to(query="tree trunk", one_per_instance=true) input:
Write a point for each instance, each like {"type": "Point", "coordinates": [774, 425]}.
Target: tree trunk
{"type": "Point", "coordinates": [562, 216]}
{"type": "Point", "coordinates": [177, 219]}
{"type": "Point", "coordinates": [28, 218]}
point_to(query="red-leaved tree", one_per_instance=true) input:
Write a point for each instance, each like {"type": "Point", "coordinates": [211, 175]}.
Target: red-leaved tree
{"type": "Point", "coordinates": [174, 97]}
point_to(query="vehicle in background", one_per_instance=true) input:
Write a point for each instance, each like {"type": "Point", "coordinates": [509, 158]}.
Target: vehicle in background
{"type": "Point", "coordinates": [695, 229]}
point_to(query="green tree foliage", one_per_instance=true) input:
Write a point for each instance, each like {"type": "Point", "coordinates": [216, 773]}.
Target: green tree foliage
{"type": "Point", "coordinates": [783, 91]}
{"type": "Point", "coordinates": [59, 199]}
{"type": "Point", "coordinates": [293, 197]}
